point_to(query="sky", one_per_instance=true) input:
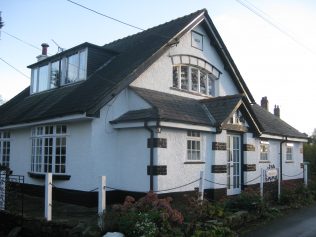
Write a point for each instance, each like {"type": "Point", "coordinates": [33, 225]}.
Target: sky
{"type": "Point", "coordinates": [276, 57]}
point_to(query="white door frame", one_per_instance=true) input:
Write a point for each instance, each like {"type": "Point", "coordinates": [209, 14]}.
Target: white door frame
{"type": "Point", "coordinates": [233, 164]}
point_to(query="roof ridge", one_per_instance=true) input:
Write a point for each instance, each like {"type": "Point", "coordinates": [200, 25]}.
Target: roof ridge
{"type": "Point", "coordinates": [153, 28]}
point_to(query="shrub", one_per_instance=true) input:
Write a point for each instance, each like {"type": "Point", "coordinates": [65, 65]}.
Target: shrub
{"type": "Point", "coordinates": [249, 200]}
{"type": "Point", "coordinates": [148, 216]}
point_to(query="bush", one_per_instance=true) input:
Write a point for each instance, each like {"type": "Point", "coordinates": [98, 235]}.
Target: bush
{"type": "Point", "coordinates": [296, 195]}
{"type": "Point", "coordinates": [149, 216]}
{"type": "Point", "coordinates": [249, 200]}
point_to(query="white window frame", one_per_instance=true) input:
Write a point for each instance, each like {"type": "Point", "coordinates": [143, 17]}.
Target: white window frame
{"type": "Point", "coordinates": [5, 148]}
{"type": "Point", "coordinates": [194, 140]}
{"type": "Point", "coordinates": [209, 76]}
{"type": "Point", "coordinates": [264, 155]}
{"type": "Point", "coordinates": [45, 147]}
{"type": "Point", "coordinates": [63, 72]}
{"type": "Point", "coordinates": [289, 152]}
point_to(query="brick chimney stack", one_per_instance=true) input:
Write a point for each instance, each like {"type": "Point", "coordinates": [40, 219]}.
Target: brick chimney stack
{"type": "Point", "coordinates": [277, 111]}
{"type": "Point", "coordinates": [265, 103]}
{"type": "Point", "coordinates": [44, 52]}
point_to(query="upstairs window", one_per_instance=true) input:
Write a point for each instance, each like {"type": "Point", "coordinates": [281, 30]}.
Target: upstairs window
{"type": "Point", "coordinates": [67, 70]}
{"type": "Point", "coordinates": [5, 148]}
{"type": "Point", "coordinates": [194, 79]}
{"type": "Point", "coordinates": [49, 149]}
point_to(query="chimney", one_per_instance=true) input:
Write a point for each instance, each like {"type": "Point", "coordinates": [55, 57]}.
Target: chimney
{"type": "Point", "coordinates": [265, 103]}
{"type": "Point", "coordinates": [44, 52]}
{"type": "Point", "coordinates": [277, 111]}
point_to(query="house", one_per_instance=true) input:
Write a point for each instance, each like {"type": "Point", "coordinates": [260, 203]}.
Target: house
{"type": "Point", "coordinates": [149, 111]}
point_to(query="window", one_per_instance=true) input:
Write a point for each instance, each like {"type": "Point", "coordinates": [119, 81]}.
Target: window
{"type": "Point", "coordinates": [195, 79]}
{"type": "Point", "coordinates": [289, 152]}
{"type": "Point", "coordinates": [5, 148]}
{"type": "Point", "coordinates": [193, 145]}
{"type": "Point", "coordinates": [197, 40]}
{"type": "Point", "coordinates": [236, 118]}
{"type": "Point", "coordinates": [61, 72]}
{"type": "Point", "coordinates": [264, 150]}
{"type": "Point", "coordinates": [49, 149]}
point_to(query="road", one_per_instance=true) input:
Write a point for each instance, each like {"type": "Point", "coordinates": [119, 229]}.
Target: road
{"type": "Point", "coordinates": [298, 223]}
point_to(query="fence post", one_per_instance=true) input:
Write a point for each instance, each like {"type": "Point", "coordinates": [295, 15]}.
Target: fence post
{"type": "Point", "coordinates": [261, 182]}
{"type": "Point", "coordinates": [279, 184]}
{"type": "Point", "coordinates": [2, 189]}
{"type": "Point", "coordinates": [48, 196]}
{"type": "Point", "coordinates": [201, 186]}
{"type": "Point", "coordinates": [305, 174]}
{"type": "Point", "coordinates": [102, 195]}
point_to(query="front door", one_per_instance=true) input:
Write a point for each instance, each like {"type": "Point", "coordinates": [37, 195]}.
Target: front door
{"type": "Point", "coordinates": [233, 165]}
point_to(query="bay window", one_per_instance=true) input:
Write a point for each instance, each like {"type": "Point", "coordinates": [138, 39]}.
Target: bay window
{"type": "Point", "coordinates": [193, 78]}
{"type": "Point", "coordinates": [49, 149]}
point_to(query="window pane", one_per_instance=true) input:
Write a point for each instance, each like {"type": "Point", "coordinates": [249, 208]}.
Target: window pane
{"type": "Point", "coordinates": [175, 80]}
{"type": "Point", "coordinates": [72, 69]}
{"type": "Point", "coordinates": [194, 79]}
{"type": "Point", "coordinates": [43, 78]}
{"type": "Point", "coordinates": [211, 85]}
{"type": "Point", "coordinates": [54, 74]}
{"type": "Point", "coordinates": [184, 78]}
{"type": "Point", "coordinates": [82, 65]}
{"type": "Point", "coordinates": [203, 82]}
{"type": "Point", "coordinates": [34, 80]}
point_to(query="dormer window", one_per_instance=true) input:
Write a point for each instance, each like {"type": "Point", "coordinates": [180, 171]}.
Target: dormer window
{"type": "Point", "coordinates": [68, 69]}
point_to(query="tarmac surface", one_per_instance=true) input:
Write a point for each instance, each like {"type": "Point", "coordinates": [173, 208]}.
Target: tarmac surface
{"type": "Point", "coordinates": [297, 223]}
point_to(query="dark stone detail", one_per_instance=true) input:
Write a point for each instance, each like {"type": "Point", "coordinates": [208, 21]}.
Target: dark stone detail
{"type": "Point", "coordinates": [157, 142]}
{"type": "Point", "coordinates": [194, 162]}
{"type": "Point", "coordinates": [235, 127]}
{"type": "Point", "coordinates": [219, 146]}
{"type": "Point", "coordinates": [158, 170]}
{"type": "Point", "coordinates": [249, 147]}
{"type": "Point", "coordinates": [218, 169]}
{"type": "Point", "coordinates": [301, 150]}
{"type": "Point", "coordinates": [55, 176]}
{"type": "Point", "coordinates": [250, 167]}
{"type": "Point", "coordinates": [302, 165]}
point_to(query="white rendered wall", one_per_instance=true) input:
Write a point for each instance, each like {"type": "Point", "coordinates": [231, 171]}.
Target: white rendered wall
{"type": "Point", "coordinates": [292, 169]}
{"type": "Point", "coordinates": [159, 75]}
{"type": "Point", "coordinates": [175, 156]}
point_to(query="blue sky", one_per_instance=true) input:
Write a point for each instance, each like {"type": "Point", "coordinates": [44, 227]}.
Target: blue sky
{"type": "Point", "coordinates": [271, 63]}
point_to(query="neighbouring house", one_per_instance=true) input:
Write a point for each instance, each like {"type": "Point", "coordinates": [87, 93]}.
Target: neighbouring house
{"type": "Point", "coordinates": [150, 112]}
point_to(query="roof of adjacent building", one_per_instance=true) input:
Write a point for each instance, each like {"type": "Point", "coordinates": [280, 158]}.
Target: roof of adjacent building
{"type": "Point", "coordinates": [274, 125]}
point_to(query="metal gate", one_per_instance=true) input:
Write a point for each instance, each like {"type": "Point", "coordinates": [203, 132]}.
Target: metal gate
{"type": "Point", "coordinates": [11, 193]}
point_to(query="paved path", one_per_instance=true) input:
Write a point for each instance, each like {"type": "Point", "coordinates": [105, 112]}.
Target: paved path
{"type": "Point", "coordinates": [298, 223]}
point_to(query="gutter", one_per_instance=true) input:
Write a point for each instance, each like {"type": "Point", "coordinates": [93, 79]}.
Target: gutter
{"type": "Point", "coordinates": [281, 143]}
{"type": "Point", "coordinates": [151, 179]}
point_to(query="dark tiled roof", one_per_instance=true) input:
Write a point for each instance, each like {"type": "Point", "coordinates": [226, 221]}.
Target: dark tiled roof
{"type": "Point", "coordinates": [273, 125]}
{"type": "Point", "coordinates": [221, 107]}
{"type": "Point", "coordinates": [175, 108]}
{"type": "Point", "coordinates": [138, 115]}
{"type": "Point", "coordinates": [136, 54]}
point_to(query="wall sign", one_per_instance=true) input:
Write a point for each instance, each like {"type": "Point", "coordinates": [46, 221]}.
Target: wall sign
{"type": "Point", "coordinates": [196, 40]}
{"type": "Point", "coordinates": [271, 174]}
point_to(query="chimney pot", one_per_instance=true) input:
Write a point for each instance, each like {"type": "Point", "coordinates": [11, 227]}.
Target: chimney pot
{"type": "Point", "coordinates": [265, 103]}
{"type": "Point", "coordinates": [277, 111]}
{"type": "Point", "coordinates": [44, 48]}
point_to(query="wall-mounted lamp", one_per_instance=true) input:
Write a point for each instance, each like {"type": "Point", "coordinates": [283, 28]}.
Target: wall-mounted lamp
{"type": "Point", "coordinates": [158, 129]}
